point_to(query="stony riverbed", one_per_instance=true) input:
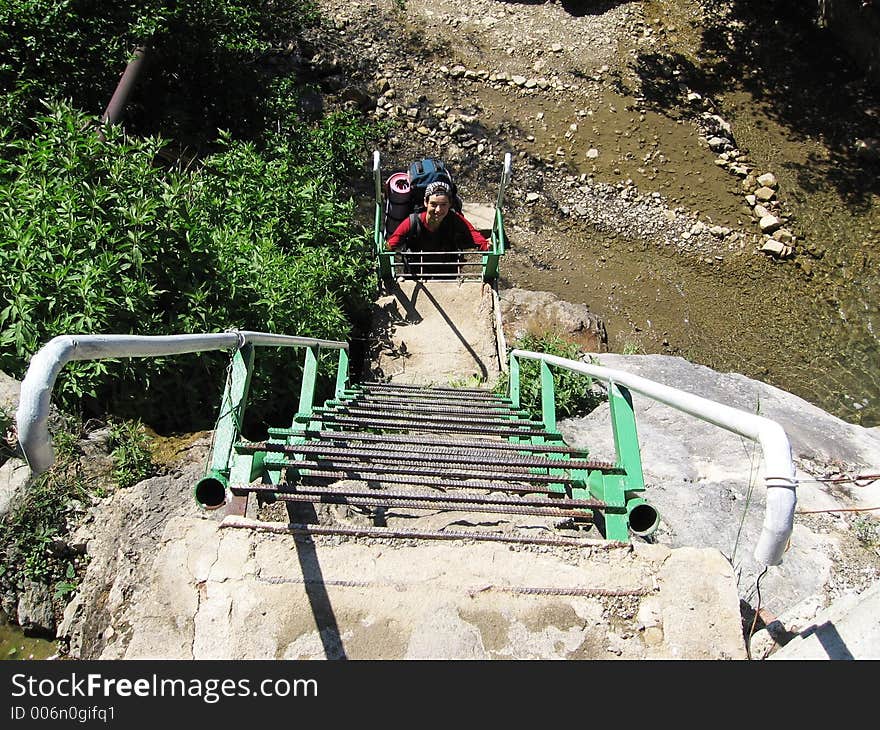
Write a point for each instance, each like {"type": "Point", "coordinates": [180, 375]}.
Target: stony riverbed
{"type": "Point", "coordinates": [703, 198]}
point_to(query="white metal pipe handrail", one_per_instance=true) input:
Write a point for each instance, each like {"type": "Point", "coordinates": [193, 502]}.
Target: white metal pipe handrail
{"type": "Point", "coordinates": [779, 471]}
{"type": "Point", "coordinates": [36, 389]}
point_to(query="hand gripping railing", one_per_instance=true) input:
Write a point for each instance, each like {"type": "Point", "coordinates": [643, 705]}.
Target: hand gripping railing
{"type": "Point", "coordinates": [779, 472]}
{"type": "Point", "coordinates": [36, 388]}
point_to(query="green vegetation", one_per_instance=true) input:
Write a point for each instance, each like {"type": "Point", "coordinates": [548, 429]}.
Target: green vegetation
{"type": "Point", "coordinates": [574, 393]}
{"type": "Point", "coordinates": [217, 204]}
{"type": "Point", "coordinates": [632, 348]}
{"type": "Point", "coordinates": [39, 517]}
{"type": "Point", "coordinates": [866, 530]}
{"type": "Point", "coordinates": [131, 453]}
{"type": "Point", "coordinates": [252, 229]}
{"type": "Point", "coordinates": [203, 72]}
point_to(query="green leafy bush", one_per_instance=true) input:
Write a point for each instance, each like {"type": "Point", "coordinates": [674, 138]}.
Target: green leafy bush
{"type": "Point", "coordinates": [130, 452]}
{"type": "Point", "coordinates": [201, 74]}
{"type": "Point", "coordinates": [96, 238]}
{"type": "Point", "coordinates": [573, 391]}
{"type": "Point", "coordinates": [41, 514]}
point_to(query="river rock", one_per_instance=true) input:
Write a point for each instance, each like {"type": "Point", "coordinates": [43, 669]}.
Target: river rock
{"type": "Point", "coordinates": [10, 389]}
{"type": "Point", "coordinates": [767, 180]}
{"type": "Point", "coordinates": [776, 248]}
{"type": "Point", "coordinates": [14, 475]}
{"type": "Point", "coordinates": [765, 194]}
{"type": "Point", "coordinates": [535, 313]}
{"type": "Point", "coordinates": [36, 614]}
{"type": "Point", "coordinates": [769, 223]}
{"type": "Point", "coordinates": [784, 235]}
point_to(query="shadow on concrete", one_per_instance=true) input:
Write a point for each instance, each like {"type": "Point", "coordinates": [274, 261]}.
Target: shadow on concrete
{"type": "Point", "coordinates": [484, 372]}
{"type": "Point", "coordinates": [832, 642]}
{"type": "Point", "coordinates": [316, 589]}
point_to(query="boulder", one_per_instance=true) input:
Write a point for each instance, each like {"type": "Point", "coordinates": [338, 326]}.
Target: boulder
{"type": "Point", "coordinates": [36, 614]}
{"type": "Point", "coordinates": [14, 475]}
{"type": "Point", "coordinates": [536, 313]}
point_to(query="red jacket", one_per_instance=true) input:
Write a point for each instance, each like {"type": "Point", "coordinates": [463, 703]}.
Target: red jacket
{"type": "Point", "coordinates": [455, 233]}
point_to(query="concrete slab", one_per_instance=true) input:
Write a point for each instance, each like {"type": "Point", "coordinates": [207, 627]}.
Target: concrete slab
{"type": "Point", "coordinates": [482, 217]}
{"type": "Point", "coordinates": [437, 333]}
{"type": "Point", "coordinates": [847, 629]}
{"type": "Point", "coordinates": [220, 593]}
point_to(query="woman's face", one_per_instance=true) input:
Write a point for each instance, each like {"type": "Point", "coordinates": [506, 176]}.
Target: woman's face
{"type": "Point", "coordinates": [437, 208]}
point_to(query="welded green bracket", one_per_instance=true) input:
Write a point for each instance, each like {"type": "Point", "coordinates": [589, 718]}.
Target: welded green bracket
{"type": "Point", "coordinates": [307, 387]}
{"type": "Point", "coordinates": [383, 256]}
{"type": "Point", "coordinates": [341, 373]}
{"type": "Point", "coordinates": [232, 408]}
{"type": "Point", "coordinates": [626, 439]}
{"type": "Point", "coordinates": [513, 381]}
{"type": "Point", "coordinates": [616, 489]}
{"type": "Point", "coordinates": [548, 399]}
{"type": "Point", "coordinates": [610, 488]}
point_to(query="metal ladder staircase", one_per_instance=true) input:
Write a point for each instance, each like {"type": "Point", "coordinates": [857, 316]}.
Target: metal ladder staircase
{"type": "Point", "coordinates": [394, 452]}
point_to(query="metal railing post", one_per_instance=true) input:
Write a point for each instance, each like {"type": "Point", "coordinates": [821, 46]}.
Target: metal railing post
{"type": "Point", "coordinates": [307, 387]}
{"type": "Point", "coordinates": [232, 408]}
{"type": "Point", "coordinates": [513, 382]}
{"type": "Point", "coordinates": [341, 375]}
{"type": "Point", "coordinates": [548, 399]}
{"type": "Point", "coordinates": [626, 439]}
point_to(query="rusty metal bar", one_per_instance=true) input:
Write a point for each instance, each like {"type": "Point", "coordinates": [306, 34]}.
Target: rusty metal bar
{"type": "Point", "coordinates": [356, 468]}
{"type": "Point", "coordinates": [432, 441]}
{"type": "Point", "coordinates": [384, 532]}
{"type": "Point", "coordinates": [488, 508]}
{"type": "Point", "coordinates": [405, 450]}
{"type": "Point", "coordinates": [429, 407]}
{"type": "Point", "coordinates": [124, 88]}
{"type": "Point", "coordinates": [558, 502]}
{"type": "Point", "coordinates": [378, 385]}
{"type": "Point", "coordinates": [427, 426]}
{"type": "Point", "coordinates": [335, 476]}
{"type": "Point", "coordinates": [405, 414]}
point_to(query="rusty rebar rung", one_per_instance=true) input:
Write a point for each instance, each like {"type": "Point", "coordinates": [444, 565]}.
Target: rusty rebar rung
{"type": "Point", "coordinates": [424, 407]}
{"type": "Point", "coordinates": [380, 385]}
{"type": "Point", "coordinates": [403, 414]}
{"type": "Point", "coordinates": [359, 467]}
{"type": "Point", "coordinates": [436, 505]}
{"type": "Point", "coordinates": [430, 427]}
{"type": "Point", "coordinates": [493, 444]}
{"type": "Point", "coordinates": [429, 394]}
{"type": "Point", "coordinates": [404, 450]}
{"type": "Point", "coordinates": [397, 533]}
{"type": "Point", "coordinates": [561, 500]}
{"type": "Point", "coordinates": [434, 483]}
{"type": "Point", "coordinates": [392, 463]}
{"type": "Point", "coordinates": [407, 399]}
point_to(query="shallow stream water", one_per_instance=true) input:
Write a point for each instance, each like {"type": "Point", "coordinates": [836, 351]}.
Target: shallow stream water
{"type": "Point", "coordinates": [808, 325]}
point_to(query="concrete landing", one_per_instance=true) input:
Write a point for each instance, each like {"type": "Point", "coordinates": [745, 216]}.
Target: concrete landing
{"type": "Point", "coordinates": [436, 333]}
{"type": "Point", "coordinates": [848, 629]}
{"type": "Point", "coordinates": [226, 593]}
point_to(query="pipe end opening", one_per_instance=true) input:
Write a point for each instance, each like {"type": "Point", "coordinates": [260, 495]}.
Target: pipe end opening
{"type": "Point", "coordinates": [210, 492]}
{"type": "Point", "coordinates": [643, 519]}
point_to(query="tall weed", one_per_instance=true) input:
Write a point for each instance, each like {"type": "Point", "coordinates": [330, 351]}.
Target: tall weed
{"type": "Point", "coordinates": [573, 391]}
{"type": "Point", "coordinates": [96, 238]}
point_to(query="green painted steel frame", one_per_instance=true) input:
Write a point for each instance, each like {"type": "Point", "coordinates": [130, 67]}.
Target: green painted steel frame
{"type": "Point", "coordinates": [225, 463]}
{"type": "Point", "coordinates": [617, 491]}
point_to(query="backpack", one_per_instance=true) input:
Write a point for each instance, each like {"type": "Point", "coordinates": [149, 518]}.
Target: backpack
{"type": "Point", "coordinates": [422, 173]}
{"type": "Point", "coordinates": [405, 191]}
